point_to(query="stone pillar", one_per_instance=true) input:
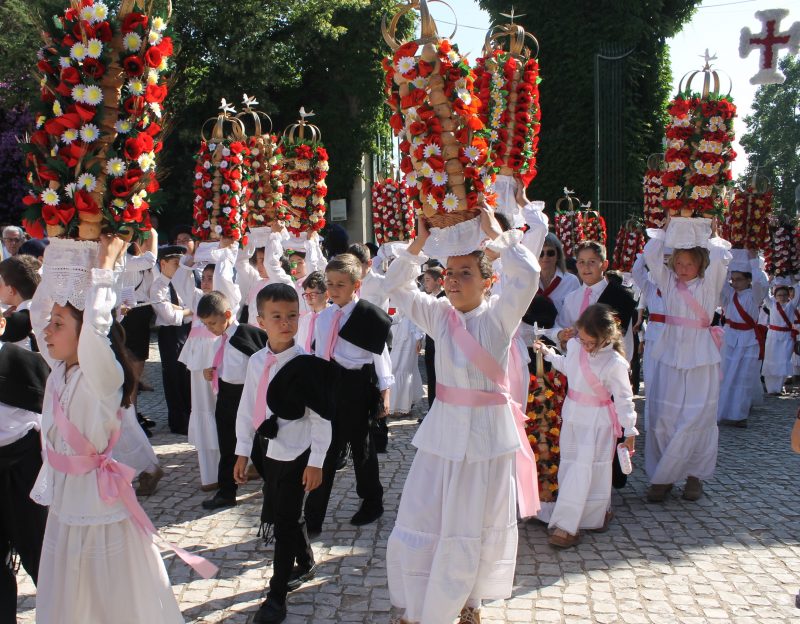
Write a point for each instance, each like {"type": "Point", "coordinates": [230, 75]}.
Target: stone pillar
{"type": "Point", "coordinates": [359, 209]}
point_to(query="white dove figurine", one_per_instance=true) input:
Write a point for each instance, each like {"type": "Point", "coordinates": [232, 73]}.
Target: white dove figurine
{"type": "Point", "coordinates": [305, 114]}
{"type": "Point", "coordinates": [568, 192]}
{"type": "Point", "coordinates": [225, 107]}
{"type": "Point", "coordinates": [249, 102]}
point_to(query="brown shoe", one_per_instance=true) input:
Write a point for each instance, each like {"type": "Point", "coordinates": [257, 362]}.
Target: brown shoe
{"type": "Point", "coordinates": [210, 487]}
{"type": "Point", "coordinates": [470, 615]}
{"type": "Point", "coordinates": [657, 492]}
{"type": "Point", "coordinates": [606, 522]}
{"type": "Point", "coordinates": [561, 539]}
{"type": "Point", "coordinates": [693, 490]}
{"type": "Point", "coordinates": [148, 482]}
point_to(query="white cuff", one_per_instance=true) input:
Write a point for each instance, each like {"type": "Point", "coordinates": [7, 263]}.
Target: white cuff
{"type": "Point", "coordinates": [315, 460]}
{"type": "Point", "coordinates": [102, 277]}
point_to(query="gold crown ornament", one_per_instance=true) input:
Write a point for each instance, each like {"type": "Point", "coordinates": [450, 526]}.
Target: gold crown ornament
{"type": "Point", "coordinates": [305, 169]}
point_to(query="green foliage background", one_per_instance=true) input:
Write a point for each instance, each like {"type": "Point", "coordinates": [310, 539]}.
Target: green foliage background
{"type": "Point", "coordinates": [772, 139]}
{"type": "Point", "coordinates": [570, 33]}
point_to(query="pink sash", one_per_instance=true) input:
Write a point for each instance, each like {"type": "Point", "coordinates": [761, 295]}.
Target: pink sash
{"type": "Point", "coordinates": [260, 409]}
{"type": "Point", "coordinates": [216, 365]}
{"type": "Point", "coordinates": [113, 480]}
{"type": "Point", "coordinates": [701, 322]}
{"type": "Point", "coordinates": [527, 482]}
{"type": "Point", "coordinates": [201, 331]}
{"type": "Point", "coordinates": [601, 396]}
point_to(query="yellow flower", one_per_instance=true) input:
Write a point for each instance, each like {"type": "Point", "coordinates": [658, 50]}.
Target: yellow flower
{"type": "Point", "coordinates": [556, 449]}
{"type": "Point", "coordinates": [548, 393]}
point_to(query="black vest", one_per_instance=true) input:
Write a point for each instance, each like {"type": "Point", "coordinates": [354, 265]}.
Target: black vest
{"type": "Point", "coordinates": [18, 328]}
{"type": "Point", "coordinates": [367, 328]}
{"type": "Point", "coordinates": [248, 339]}
{"type": "Point", "coordinates": [23, 375]}
{"type": "Point", "coordinates": [621, 300]}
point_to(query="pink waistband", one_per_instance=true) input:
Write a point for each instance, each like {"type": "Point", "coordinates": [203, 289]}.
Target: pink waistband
{"type": "Point", "coordinates": [680, 321]}
{"type": "Point", "coordinates": [525, 464]}
{"type": "Point", "coordinates": [590, 400]}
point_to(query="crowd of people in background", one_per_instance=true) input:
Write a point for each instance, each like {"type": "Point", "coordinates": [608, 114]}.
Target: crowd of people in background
{"type": "Point", "coordinates": [284, 359]}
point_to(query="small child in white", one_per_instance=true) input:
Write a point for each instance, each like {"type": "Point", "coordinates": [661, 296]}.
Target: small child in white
{"type": "Point", "coordinates": [598, 407]}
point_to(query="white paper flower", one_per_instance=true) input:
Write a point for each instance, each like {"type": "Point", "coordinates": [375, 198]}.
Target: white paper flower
{"type": "Point", "coordinates": [65, 62]}
{"type": "Point", "coordinates": [156, 108]}
{"type": "Point", "coordinates": [159, 24]}
{"type": "Point", "coordinates": [79, 92]}
{"type": "Point", "coordinates": [147, 161]}
{"type": "Point", "coordinates": [225, 188]}
{"type": "Point", "coordinates": [223, 164]}
{"type": "Point", "coordinates": [411, 179]}
{"type": "Point", "coordinates": [93, 95]}
{"type": "Point", "coordinates": [40, 121]}
{"type": "Point", "coordinates": [99, 12]}
{"type": "Point", "coordinates": [426, 170]}
{"type": "Point", "coordinates": [90, 133]}
{"type": "Point", "coordinates": [472, 152]}
{"type": "Point", "coordinates": [94, 48]}
{"type": "Point", "coordinates": [431, 150]}
{"type": "Point", "coordinates": [69, 135]}
{"type": "Point", "coordinates": [464, 95]}
{"type": "Point", "coordinates": [226, 210]}
{"type": "Point", "coordinates": [49, 197]}
{"type": "Point", "coordinates": [115, 167]}
{"type": "Point", "coordinates": [450, 202]}
{"type": "Point", "coordinates": [57, 111]}
{"type": "Point", "coordinates": [154, 37]}
{"type": "Point", "coordinates": [132, 42]}
{"type": "Point", "coordinates": [77, 51]}
{"type": "Point", "coordinates": [87, 181]}
{"type": "Point", "coordinates": [87, 13]}
{"type": "Point", "coordinates": [69, 189]}
{"type": "Point", "coordinates": [405, 64]}
{"type": "Point", "coordinates": [136, 86]}
{"type": "Point", "coordinates": [123, 126]}
{"type": "Point", "coordinates": [493, 135]}
{"type": "Point", "coordinates": [439, 178]}
{"type": "Point", "coordinates": [118, 203]}
{"type": "Point", "coordinates": [226, 152]}
{"type": "Point", "coordinates": [207, 184]}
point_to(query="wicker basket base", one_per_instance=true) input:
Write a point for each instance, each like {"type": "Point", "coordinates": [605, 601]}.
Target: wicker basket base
{"type": "Point", "coordinates": [449, 219]}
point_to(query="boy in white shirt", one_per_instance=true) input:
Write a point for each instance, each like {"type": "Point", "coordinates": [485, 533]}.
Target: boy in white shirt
{"type": "Point", "coordinates": [296, 450]}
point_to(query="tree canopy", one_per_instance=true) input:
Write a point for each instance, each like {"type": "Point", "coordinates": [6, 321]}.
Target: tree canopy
{"type": "Point", "coordinates": [772, 139]}
{"type": "Point", "coordinates": [569, 35]}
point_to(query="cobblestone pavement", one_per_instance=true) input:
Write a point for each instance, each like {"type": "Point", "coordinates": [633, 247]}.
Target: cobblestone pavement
{"type": "Point", "coordinates": [734, 556]}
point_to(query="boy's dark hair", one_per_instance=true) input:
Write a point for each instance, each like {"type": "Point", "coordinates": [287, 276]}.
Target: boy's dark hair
{"type": "Point", "coordinates": [286, 265]}
{"type": "Point", "coordinates": [360, 251]}
{"type": "Point", "coordinates": [746, 274]}
{"type": "Point", "coordinates": [209, 267]}
{"type": "Point", "coordinates": [315, 281]}
{"type": "Point", "coordinates": [276, 292]}
{"type": "Point", "coordinates": [213, 304]}
{"type": "Point", "coordinates": [336, 240]}
{"type": "Point", "coordinates": [596, 248]}
{"type": "Point", "coordinates": [373, 249]}
{"type": "Point", "coordinates": [178, 230]}
{"type": "Point", "coordinates": [436, 272]}
{"type": "Point", "coordinates": [22, 274]}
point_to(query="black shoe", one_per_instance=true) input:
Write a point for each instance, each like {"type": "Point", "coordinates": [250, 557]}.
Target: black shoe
{"type": "Point", "coordinates": [144, 421]}
{"type": "Point", "coordinates": [367, 514]}
{"type": "Point", "coordinates": [341, 462]}
{"type": "Point", "coordinates": [300, 577]}
{"type": "Point", "coordinates": [271, 612]}
{"type": "Point", "coordinates": [219, 502]}
{"type": "Point", "coordinates": [147, 432]}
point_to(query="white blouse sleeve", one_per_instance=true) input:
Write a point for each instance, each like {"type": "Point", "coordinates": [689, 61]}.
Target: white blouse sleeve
{"type": "Point", "coordinates": [224, 261]}
{"type": "Point", "coordinates": [760, 285]}
{"type": "Point", "coordinates": [521, 279]}
{"type": "Point", "coordinates": [143, 262]}
{"type": "Point", "coordinates": [400, 287]}
{"type": "Point", "coordinates": [654, 257]}
{"type": "Point", "coordinates": [246, 273]}
{"type": "Point", "coordinates": [159, 296]}
{"type": "Point", "coordinates": [315, 259]}
{"type": "Point", "coordinates": [383, 369]}
{"type": "Point", "coordinates": [321, 434]}
{"type": "Point", "coordinates": [184, 285]}
{"type": "Point", "coordinates": [97, 361]}
{"type": "Point", "coordinates": [245, 432]}
{"type": "Point", "coordinates": [719, 257]}
{"type": "Point", "coordinates": [272, 260]}
{"type": "Point", "coordinates": [538, 224]}
{"type": "Point", "coordinates": [617, 381]}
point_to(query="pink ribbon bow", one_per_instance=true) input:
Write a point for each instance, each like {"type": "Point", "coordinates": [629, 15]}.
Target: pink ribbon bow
{"type": "Point", "coordinates": [113, 480]}
{"type": "Point", "coordinates": [260, 408]}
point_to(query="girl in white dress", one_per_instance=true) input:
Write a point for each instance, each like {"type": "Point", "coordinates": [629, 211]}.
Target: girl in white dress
{"type": "Point", "coordinates": [97, 565]}
{"type": "Point", "coordinates": [454, 542]}
{"type": "Point", "coordinates": [406, 345]}
{"type": "Point", "coordinates": [780, 339]}
{"type": "Point", "coordinates": [682, 432]}
{"type": "Point", "coordinates": [596, 369]}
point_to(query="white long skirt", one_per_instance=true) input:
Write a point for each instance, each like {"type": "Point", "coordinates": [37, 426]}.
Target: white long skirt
{"type": "Point", "coordinates": [407, 388]}
{"type": "Point", "coordinates": [778, 355]}
{"type": "Point", "coordinates": [101, 574]}
{"type": "Point", "coordinates": [203, 427]}
{"type": "Point", "coordinates": [455, 537]}
{"type": "Point", "coordinates": [584, 473]}
{"type": "Point", "coordinates": [133, 448]}
{"type": "Point", "coordinates": [740, 366]}
{"type": "Point", "coordinates": [682, 436]}
{"type": "Point", "coordinates": [647, 372]}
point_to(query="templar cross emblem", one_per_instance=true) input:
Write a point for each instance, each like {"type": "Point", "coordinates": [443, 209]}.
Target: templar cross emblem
{"type": "Point", "coordinates": [771, 40]}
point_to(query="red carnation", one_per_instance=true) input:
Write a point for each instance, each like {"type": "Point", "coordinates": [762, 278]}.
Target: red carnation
{"type": "Point", "coordinates": [166, 46]}
{"type": "Point", "coordinates": [155, 93]}
{"type": "Point", "coordinates": [33, 228]}
{"type": "Point", "coordinates": [133, 65]}
{"type": "Point", "coordinates": [93, 68]}
{"type": "Point", "coordinates": [134, 105]}
{"type": "Point", "coordinates": [70, 75]}
{"type": "Point", "coordinates": [132, 21]}
{"type": "Point", "coordinates": [135, 147]}
{"type": "Point", "coordinates": [153, 57]}
{"type": "Point", "coordinates": [84, 202]}
{"type": "Point", "coordinates": [103, 32]}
